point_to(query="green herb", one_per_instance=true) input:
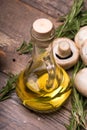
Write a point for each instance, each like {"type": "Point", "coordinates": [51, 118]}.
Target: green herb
{"type": "Point", "coordinates": [72, 22]}
{"type": "Point", "coordinates": [8, 88]}
{"type": "Point", "coordinates": [25, 48]}
{"type": "Point", "coordinates": [79, 103]}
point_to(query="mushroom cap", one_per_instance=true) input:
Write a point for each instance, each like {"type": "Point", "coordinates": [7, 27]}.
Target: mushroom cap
{"type": "Point", "coordinates": [81, 36]}
{"type": "Point", "coordinates": [81, 81]}
{"type": "Point", "coordinates": [69, 61]}
{"type": "Point", "coordinates": [83, 52]}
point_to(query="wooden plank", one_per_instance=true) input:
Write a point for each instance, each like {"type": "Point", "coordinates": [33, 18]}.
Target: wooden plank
{"type": "Point", "coordinates": [3, 79]}
{"type": "Point", "coordinates": [14, 116]}
{"type": "Point", "coordinates": [16, 19]}
{"type": "Point", "coordinates": [12, 61]}
{"type": "Point", "coordinates": [53, 8]}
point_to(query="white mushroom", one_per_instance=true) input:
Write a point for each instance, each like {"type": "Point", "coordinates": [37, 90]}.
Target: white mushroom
{"type": "Point", "coordinates": [65, 52]}
{"type": "Point", "coordinates": [81, 36]}
{"type": "Point", "coordinates": [81, 81]}
{"type": "Point", "coordinates": [83, 52]}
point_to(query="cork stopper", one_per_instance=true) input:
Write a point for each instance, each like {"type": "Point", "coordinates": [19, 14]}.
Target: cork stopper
{"type": "Point", "coordinates": [42, 28]}
{"type": "Point", "coordinates": [64, 49]}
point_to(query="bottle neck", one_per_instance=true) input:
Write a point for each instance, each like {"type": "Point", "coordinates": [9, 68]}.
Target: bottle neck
{"type": "Point", "coordinates": [42, 40]}
{"type": "Point", "coordinates": [37, 51]}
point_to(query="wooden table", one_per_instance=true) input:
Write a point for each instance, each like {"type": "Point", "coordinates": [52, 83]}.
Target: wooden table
{"type": "Point", "coordinates": [16, 18]}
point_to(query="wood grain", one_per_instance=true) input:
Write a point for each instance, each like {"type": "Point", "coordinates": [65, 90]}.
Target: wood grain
{"type": "Point", "coordinates": [16, 19]}
{"type": "Point", "coordinates": [11, 61]}
{"type": "Point", "coordinates": [14, 116]}
{"type": "Point", "coordinates": [53, 8]}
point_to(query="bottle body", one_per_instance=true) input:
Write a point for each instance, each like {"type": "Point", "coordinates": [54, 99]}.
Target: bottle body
{"type": "Point", "coordinates": [43, 89]}
{"type": "Point", "coordinates": [43, 86]}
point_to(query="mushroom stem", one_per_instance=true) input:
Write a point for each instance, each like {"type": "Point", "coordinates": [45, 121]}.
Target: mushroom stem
{"type": "Point", "coordinates": [64, 49]}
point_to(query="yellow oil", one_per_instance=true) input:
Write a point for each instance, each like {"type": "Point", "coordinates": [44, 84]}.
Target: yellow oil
{"type": "Point", "coordinates": [34, 94]}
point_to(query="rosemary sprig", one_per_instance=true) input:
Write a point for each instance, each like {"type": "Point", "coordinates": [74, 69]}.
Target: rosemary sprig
{"type": "Point", "coordinates": [79, 103]}
{"type": "Point", "coordinates": [8, 88]}
{"type": "Point", "coordinates": [72, 22]}
{"type": "Point", "coordinates": [25, 48]}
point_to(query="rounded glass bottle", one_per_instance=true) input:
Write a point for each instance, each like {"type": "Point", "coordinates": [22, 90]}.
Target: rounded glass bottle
{"type": "Point", "coordinates": [43, 86]}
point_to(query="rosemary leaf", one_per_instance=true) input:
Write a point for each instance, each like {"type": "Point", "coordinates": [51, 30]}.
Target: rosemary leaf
{"type": "Point", "coordinates": [8, 88]}
{"type": "Point", "coordinates": [72, 21]}
{"type": "Point", "coordinates": [25, 48]}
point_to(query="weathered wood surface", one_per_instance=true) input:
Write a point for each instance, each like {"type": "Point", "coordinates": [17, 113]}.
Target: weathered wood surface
{"type": "Point", "coordinates": [15, 22]}
{"type": "Point", "coordinates": [51, 7]}
{"type": "Point", "coordinates": [54, 8]}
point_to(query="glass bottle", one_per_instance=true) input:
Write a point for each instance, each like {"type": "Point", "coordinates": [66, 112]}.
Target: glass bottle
{"type": "Point", "coordinates": [43, 86]}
